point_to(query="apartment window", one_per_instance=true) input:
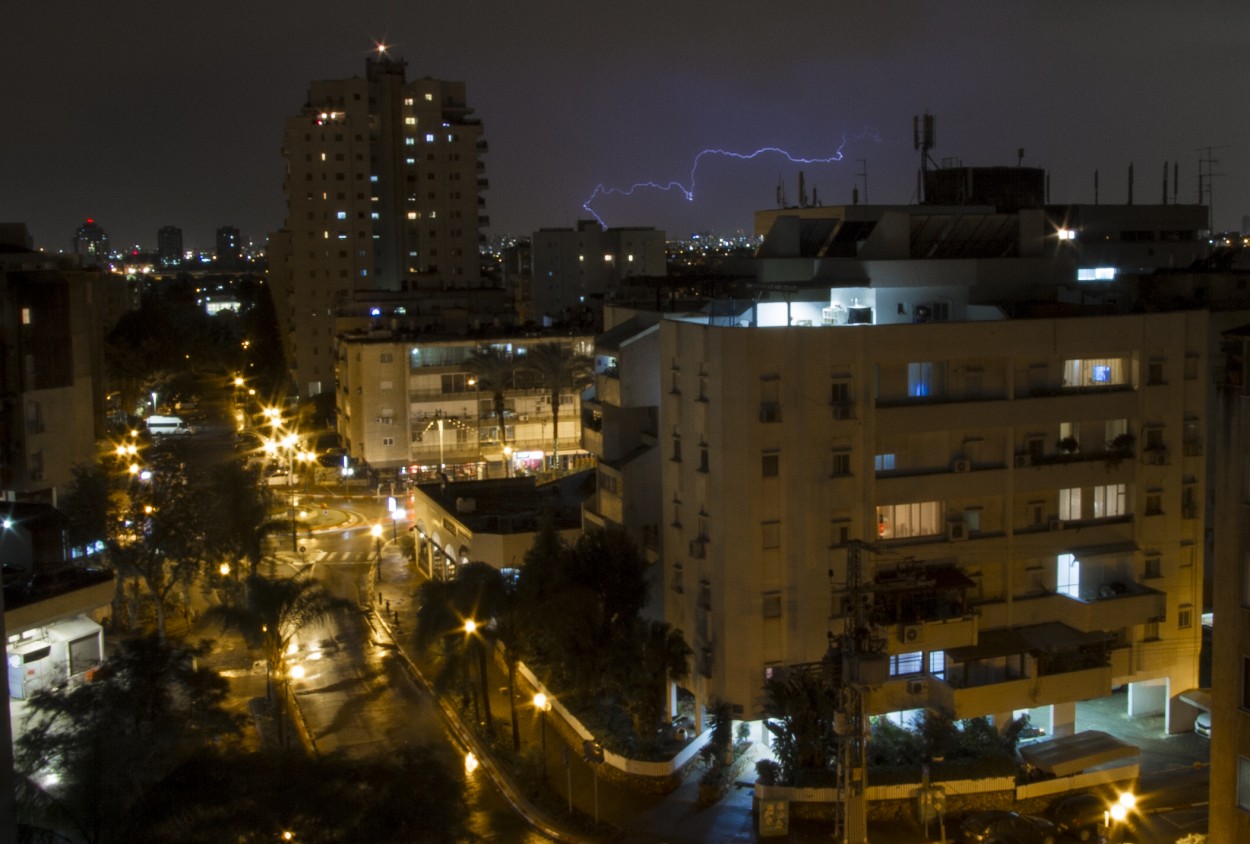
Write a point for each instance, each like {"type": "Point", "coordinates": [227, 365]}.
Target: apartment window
{"type": "Point", "coordinates": [676, 449]}
{"type": "Point", "coordinates": [1068, 575]}
{"type": "Point", "coordinates": [883, 462]}
{"type": "Point", "coordinates": [770, 465]}
{"type": "Point", "coordinates": [1153, 567]}
{"type": "Point", "coordinates": [841, 533]}
{"type": "Point", "coordinates": [1154, 437]}
{"type": "Point", "coordinates": [841, 463]}
{"type": "Point", "coordinates": [1151, 633]}
{"type": "Point", "coordinates": [1185, 617]}
{"type": "Point", "coordinates": [937, 663]}
{"type": "Point", "coordinates": [920, 379]}
{"type": "Point", "coordinates": [385, 357]}
{"type": "Point", "coordinates": [675, 583]}
{"type": "Point", "coordinates": [705, 595]}
{"type": "Point", "coordinates": [1114, 428]}
{"type": "Point", "coordinates": [388, 441]}
{"type": "Point", "coordinates": [772, 605]}
{"type": "Point", "coordinates": [1070, 504]}
{"type": "Point", "coordinates": [1154, 504]}
{"type": "Point", "coordinates": [771, 534]}
{"type": "Point", "coordinates": [770, 412]}
{"type": "Point", "coordinates": [676, 514]}
{"type": "Point", "coordinates": [902, 664]}
{"type": "Point", "coordinates": [1245, 682]}
{"type": "Point", "coordinates": [841, 394]}
{"type": "Point", "coordinates": [1094, 372]}
{"type": "Point", "coordinates": [703, 464]}
{"type": "Point", "coordinates": [1154, 372]}
{"type": "Point", "coordinates": [1109, 501]}
{"type": "Point", "coordinates": [899, 521]}
{"type": "Point", "coordinates": [1243, 783]}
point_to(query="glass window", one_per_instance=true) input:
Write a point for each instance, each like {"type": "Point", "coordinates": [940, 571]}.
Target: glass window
{"type": "Point", "coordinates": [912, 663]}
{"type": "Point", "coordinates": [883, 462]}
{"type": "Point", "coordinates": [1070, 504]}
{"type": "Point", "coordinates": [937, 663]}
{"type": "Point", "coordinates": [898, 521]}
{"type": "Point", "coordinates": [841, 463]}
{"type": "Point", "coordinates": [1108, 501]}
{"type": "Point", "coordinates": [772, 605]}
{"type": "Point", "coordinates": [1068, 575]}
{"type": "Point", "coordinates": [1094, 372]}
{"type": "Point", "coordinates": [920, 381]}
{"type": "Point", "coordinates": [1243, 783]}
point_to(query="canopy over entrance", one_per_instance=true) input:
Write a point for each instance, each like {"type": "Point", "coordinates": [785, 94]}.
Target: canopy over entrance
{"type": "Point", "coordinates": [1076, 753]}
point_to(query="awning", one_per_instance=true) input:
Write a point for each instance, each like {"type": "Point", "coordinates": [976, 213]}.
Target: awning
{"type": "Point", "coordinates": [1200, 698]}
{"type": "Point", "coordinates": [73, 629]}
{"type": "Point", "coordinates": [1076, 753]}
{"type": "Point", "coordinates": [1004, 641]}
{"type": "Point", "coordinates": [1057, 637]}
{"type": "Point", "coordinates": [1051, 637]}
{"type": "Point", "coordinates": [1114, 548]}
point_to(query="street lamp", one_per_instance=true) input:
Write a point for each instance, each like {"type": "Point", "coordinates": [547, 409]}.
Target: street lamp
{"type": "Point", "coordinates": [543, 705]}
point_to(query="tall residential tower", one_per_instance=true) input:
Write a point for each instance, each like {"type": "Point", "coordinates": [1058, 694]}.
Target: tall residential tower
{"type": "Point", "coordinates": [382, 182]}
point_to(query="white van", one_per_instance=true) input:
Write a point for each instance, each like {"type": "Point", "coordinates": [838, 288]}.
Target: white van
{"type": "Point", "coordinates": [164, 426]}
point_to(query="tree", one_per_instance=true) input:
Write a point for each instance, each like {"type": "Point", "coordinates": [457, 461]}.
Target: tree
{"type": "Point", "coordinates": [157, 536]}
{"type": "Point", "coordinates": [800, 712]}
{"type": "Point", "coordinates": [275, 611]}
{"type": "Point", "coordinates": [494, 369]}
{"type": "Point", "coordinates": [237, 514]}
{"type": "Point", "coordinates": [647, 656]}
{"type": "Point", "coordinates": [559, 370]}
{"type": "Point", "coordinates": [86, 506]}
{"type": "Point", "coordinates": [90, 752]}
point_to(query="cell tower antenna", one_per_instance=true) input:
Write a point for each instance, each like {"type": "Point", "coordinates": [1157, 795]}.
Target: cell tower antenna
{"type": "Point", "coordinates": [924, 138]}
{"type": "Point", "coordinates": [1206, 173]}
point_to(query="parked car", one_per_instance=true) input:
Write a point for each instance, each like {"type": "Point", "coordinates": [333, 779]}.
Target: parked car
{"type": "Point", "coordinates": [1202, 725]}
{"type": "Point", "coordinates": [1078, 815]}
{"type": "Point", "coordinates": [998, 827]}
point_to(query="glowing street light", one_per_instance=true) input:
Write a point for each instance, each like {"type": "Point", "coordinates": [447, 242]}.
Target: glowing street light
{"type": "Point", "coordinates": [543, 705]}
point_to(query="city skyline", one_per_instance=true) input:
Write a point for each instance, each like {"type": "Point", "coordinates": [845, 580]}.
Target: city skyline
{"type": "Point", "coordinates": [184, 128]}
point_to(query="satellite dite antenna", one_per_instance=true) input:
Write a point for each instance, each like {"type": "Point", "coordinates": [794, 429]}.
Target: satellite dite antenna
{"type": "Point", "coordinates": [924, 138]}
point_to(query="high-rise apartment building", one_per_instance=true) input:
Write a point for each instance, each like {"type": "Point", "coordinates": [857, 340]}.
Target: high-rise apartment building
{"type": "Point", "coordinates": [229, 248]}
{"type": "Point", "coordinates": [91, 243]}
{"type": "Point", "coordinates": [169, 247]}
{"type": "Point", "coordinates": [383, 177]}
{"type": "Point", "coordinates": [1031, 490]}
{"type": "Point", "coordinates": [576, 268]}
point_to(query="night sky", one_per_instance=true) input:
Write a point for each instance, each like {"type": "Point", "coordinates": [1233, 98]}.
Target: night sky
{"type": "Point", "coordinates": [143, 114]}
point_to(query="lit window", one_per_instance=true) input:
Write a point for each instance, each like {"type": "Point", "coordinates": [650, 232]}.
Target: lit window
{"type": "Point", "coordinates": [410, 121]}
{"type": "Point", "coordinates": [912, 663]}
{"type": "Point", "coordinates": [920, 379]}
{"type": "Point", "coordinates": [26, 316]}
{"type": "Point", "coordinates": [1109, 501]}
{"type": "Point", "coordinates": [429, 98]}
{"type": "Point", "coordinates": [429, 138]}
{"type": "Point", "coordinates": [409, 141]}
{"type": "Point", "coordinates": [1070, 504]}
{"type": "Point", "coordinates": [412, 215]}
{"type": "Point", "coordinates": [1067, 234]}
{"type": "Point", "coordinates": [342, 215]}
{"type": "Point", "coordinates": [1243, 783]}
{"type": "Point", "coordinates": [883, 462]}
{"type": "Point", "coordinates": [1068, 575]}
{"type": "Point", "coordinates": [921, 518]}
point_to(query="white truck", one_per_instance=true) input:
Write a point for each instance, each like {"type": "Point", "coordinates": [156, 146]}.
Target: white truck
{"type": "Point", "coordinates": [166, 426]}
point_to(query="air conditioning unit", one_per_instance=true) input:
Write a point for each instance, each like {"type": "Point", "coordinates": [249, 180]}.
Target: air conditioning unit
{"type": "Point", "coordinates": [917, 687]}
{"type": "Point", "coordinates": [1023, 461]}
{"type": "Point", "coordinates": [524, 417]}
{"type": "Point", "coordinates": [911, 634]}
{"type": "Point", "coordinates": [956, 531]}
{"type": "Point", "coordinates": [1056, 524]}
{"type": "Point", "coordinates": [961, 466]}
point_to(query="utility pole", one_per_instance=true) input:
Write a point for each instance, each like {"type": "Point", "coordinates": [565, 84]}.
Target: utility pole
{"type": "Point", "coordinates": [851, 720]}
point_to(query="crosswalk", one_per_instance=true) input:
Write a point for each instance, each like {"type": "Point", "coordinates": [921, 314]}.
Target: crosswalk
{"type": "Point", "coordinates": [325, 557]}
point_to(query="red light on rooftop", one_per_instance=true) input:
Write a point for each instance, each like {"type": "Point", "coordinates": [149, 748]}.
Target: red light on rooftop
{"type": "Point", "coordinates": [90, 221]}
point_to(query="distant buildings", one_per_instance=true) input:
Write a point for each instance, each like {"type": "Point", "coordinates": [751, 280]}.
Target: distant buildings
{"type": "Point", "coordinates": [229, 249]}
{"type": "Point", "coordinates": [383, 187]}
{"type": "Point", "coordinates": [91, 244]}
{"type": "Point", "coordinates": [573, 269]}
{"type": "Point", "coordinates": [169, 253]}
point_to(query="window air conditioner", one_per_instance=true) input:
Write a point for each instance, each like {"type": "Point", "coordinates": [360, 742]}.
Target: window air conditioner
{"type": "Point", "coordinates": [961, 466]}
{"type": "Point", "coordinates": [917, 687]}
{"type": "Point", "coordinates": [911, 634]}
{"type": "Point", "coordinates": [956, 531]}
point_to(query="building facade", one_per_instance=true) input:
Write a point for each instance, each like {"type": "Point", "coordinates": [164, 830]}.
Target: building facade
{"type": "Point", "coordinates": [169, 247]}
{"type": "Point", "coordinates": [1030, 492]}
{"type": "Point", "coordinates": [576, 268]}
{"type": "Point", "coordinates": [383, 183]}
{"type": "Point", "coordinates": [414, 405]}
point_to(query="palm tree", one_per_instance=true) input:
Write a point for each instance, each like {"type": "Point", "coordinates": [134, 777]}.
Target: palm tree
{"type": "Point", "coordinates": [558, 369]}
{"type": "Point", "coordinates": [275, 612]}
{"type": "Point", "coordinates": [650, 655]}
{"type": "Point", "coordinates": [494, 369]}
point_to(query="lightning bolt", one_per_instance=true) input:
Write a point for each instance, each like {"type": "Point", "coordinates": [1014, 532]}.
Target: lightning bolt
{"type": "Point", "coordinates": [687, 189]}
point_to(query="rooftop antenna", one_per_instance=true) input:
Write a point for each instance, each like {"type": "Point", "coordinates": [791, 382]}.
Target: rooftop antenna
{"type": "Point", "coordinates": [924, 138]}
{"type": "Point", "coordinates": [802, 191]}
{"type": "Point", "coordinates": [863, 174]}
{"type": "Point", "coordinates": [781, 193]}
{"type": "Point", "coordinates": [1206, 163]}
{"type": "Point", "coordinates": [1020, 157]}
